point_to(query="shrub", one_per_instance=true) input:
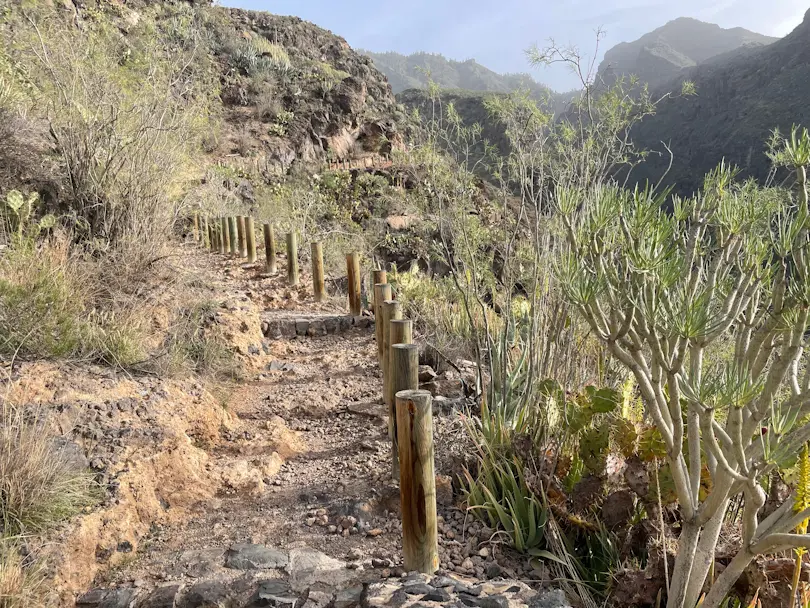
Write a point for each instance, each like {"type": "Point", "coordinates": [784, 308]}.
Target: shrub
{"type": "Point", "coordinates": [47, 297]}
{"type": "Point", "coordinates": [40, 483]}
{"type": "Point", "coordinates": [20, 584]}
{"type": "Point", "coordinates": [195, 346]}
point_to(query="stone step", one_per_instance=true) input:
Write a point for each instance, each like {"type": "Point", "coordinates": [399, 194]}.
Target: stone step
{"type": "Point", "coordinates": [275, 326]}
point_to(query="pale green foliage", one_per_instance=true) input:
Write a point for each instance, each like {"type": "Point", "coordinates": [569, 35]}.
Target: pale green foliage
{"type": "Point", "coordinates": [666, 292]}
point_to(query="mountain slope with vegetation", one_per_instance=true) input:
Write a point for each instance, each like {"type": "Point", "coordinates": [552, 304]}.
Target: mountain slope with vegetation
{"type": "Point", "coordinates": [740, 99]}
{"type": "Point", "coordinates": [660, 55]}
{"type": "Point", "coordinates": [416, 70]}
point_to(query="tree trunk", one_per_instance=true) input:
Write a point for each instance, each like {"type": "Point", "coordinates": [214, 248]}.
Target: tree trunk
{"type": "Point", "coordinates": [684, 563]}
{"type": "Point", "coordinates": [727, 579]}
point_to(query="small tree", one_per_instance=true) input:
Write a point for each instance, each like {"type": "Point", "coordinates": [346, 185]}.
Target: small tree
{"type": "Point", "coordinates": [707, 305]}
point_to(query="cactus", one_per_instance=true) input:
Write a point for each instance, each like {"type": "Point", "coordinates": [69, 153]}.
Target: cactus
{"type": "Point", "coordinates": [593, 448]}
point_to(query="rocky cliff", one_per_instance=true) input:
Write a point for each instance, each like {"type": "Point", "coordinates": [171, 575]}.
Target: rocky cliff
{"type": "Point", "coordinates": [660, 55]}
{"type": "Point", "coordinates": [741, 97]}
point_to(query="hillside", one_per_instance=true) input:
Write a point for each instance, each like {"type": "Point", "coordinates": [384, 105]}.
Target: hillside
{"type": "Point", "coordinates": [411, 72]}
{"type": "Point", "coordinates": [740, 98]}
{"type": "Point", "coordinates": [682, 43]}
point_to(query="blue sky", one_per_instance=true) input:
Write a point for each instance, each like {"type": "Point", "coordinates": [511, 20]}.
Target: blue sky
{"type": "Point", "coordinates": [496, 34]}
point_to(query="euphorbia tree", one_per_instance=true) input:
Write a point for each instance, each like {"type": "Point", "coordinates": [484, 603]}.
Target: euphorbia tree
{"type": "Point", "coordinates": [706, 302]}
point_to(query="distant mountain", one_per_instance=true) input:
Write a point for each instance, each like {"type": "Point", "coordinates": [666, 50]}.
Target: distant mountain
{"type": "Point", "coordinates": [741, 96]}
{"type": "Point", "coordinates": [410, 72]}
{"type": "Point", "coordinates": [659, 56]}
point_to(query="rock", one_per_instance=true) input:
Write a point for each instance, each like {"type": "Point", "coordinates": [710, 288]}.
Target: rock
{"type": "Point", "coordinates": [439, 582]}
{"type": "Point", "coordinates": [255, 557]}
{"type": "Point", "coordinates": [278, 594]}
{"type": "Point", "coordinates": [269, 466]}
{"type": "Point", "coordinates": [301, 327]}
{"type": "Point", "coordinates": [162, 597]}
{"type": "Point", "coordinates": [426, 374]}
{"type": "Point", "coordinates": [106, 598]}
{"type": "Point", "coordinates": [418, 588]}
{"type": "Point", "coordinates": [241, 476]}
{"type": "Point", "coordinates": [202, 562]}
{"type": "Point", "coordinates": [354, 555]}
{"type": "Point", "coordinates": [349, 597]}
{"type": "Point", "coordinates": [618, 508]}
{"type": "Point", "coordinates": [444, 490]}
{"type": "Point", "coordinates": [308, 567]}
{"type": "Point", "coordinates": [204, 594]}
{"type": "Point", "coordinates": [554, 598]}
{"type": "Point", "coordinates": [374, 532]}
{"type": "Point", "coordinates": [437, 595]}
{"type": "Point", "coordinates": [468, 564]}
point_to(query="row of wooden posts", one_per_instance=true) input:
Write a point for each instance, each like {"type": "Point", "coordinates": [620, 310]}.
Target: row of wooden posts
{"type": "Point", "coordinates": [410, 410]}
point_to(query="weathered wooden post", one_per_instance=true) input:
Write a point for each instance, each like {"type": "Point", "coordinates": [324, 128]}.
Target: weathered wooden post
{"type": "Point", "coordinates": [292, 258]}
{"type": "Point", "coordinates": [250, 237]}
{"type": "Point", "coordinates": [226, 235]}
{"type": "Point", "coordinates": [196, 232]}
{"type": "Point", "coordinates": [240, 230]}
{"type": "Point", "coordinates": [233, 236]}
{"type": "Point", "coordinates": [220, 238]}
{"type": "Point", "coordinates": [403, 369]}
{"type": "Point", "coordinates": [382, 292]}
{"type": "Point", "coordinates": [206, 235]}
{"type": "Point", "coordinates": [391, 311]}
{"type": "Point", "coordinates": [269, 249]}
{"type": "Point", "coordinates": [209, 236]}
{"type": "Point", "coordinates": [417, 481]}
{"type": "Point", "coordinates": [318, 287]}
{"type": "Point", "coordinates": [353, 273]}
{"type": "Point", "coordinates": [377, 276]}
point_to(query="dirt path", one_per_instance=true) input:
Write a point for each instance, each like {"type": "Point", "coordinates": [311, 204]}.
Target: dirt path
{"type": "Point", "coordinates": [310, 498]}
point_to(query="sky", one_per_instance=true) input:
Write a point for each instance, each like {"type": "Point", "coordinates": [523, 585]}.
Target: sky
{"type": "Point", "coordinates": [497, 33]}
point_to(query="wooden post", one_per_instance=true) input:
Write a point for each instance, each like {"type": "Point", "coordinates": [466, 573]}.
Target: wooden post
{"type": "Point", "coordinates": [353, 273]}
{"type": "Point", "coordinates": [226, 235]}
{"type": "Point", "coordinates": [292, 258]}
{"type": "Point", "coordinates": [417, 482]}
{"type": "Point", "coordinates": [250, 237]}
{"type": "Point", "coordinates": [382, 292]}
{"type": "Point", "coordinates": [240, 235]}
{"type": "Point", "coordinates": [233, 236]}
{"type": "Point", "coordinates": [403, 369]}
{"type": "Point", "coordinates": [391, 311]}
{"type": "Point", "coordinates": [209, 236]}
{"type": "Point", "coordinates": [220, 237]}
{"type": "Point", "coordinates": [318, 287]}
{"type": "Point", "coordinates": [269, 249]}
{"type": "Point", "coordinates": [197, 227]}
{"type": "Point", "coordinates": [206, 235]}
{"type": "Point", "coordinates": [377, 276]}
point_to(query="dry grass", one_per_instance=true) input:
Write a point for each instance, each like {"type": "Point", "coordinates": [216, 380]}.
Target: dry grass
{"type": "Point", "coordinates": [20, 583]}
{"type": "Point", "coordinates": [40, 483]}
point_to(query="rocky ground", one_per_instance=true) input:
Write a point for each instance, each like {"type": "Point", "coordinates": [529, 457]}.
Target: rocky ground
{"type": "Point", "coordinates": [278, 492]}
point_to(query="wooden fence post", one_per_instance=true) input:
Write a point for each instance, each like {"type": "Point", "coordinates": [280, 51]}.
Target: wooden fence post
{"type": "Point", "coordinates": [240, 229]}
{"type": "Point", "coordinates": [318, 287]}
{"type": "Point", "coordinates": [226, 238]}
{"type": "Point", "coordinates": [269, 249]}
{"type": "Point", "coordinates": [250, 237]}
{"type": "Point", "coordinates": [417, 482]}
{"type": "Point", "coordinates": [233, 236]}
{"type": "Point", "coordinates": [292, 258]}
{"type": "Point", "coordinates": [391, 311]}
{"type": "Point", "coordinates": [404, 376]}
{"type": "Point", "coordinates": [353, 273]}
{"type": "Point", "coordinates": [377, 276]}
{"type": "Point", "coordinates": [220, 237]}
{"type": "Point", "coordinates": [206, 241]}
{"type": "Point", "coordinates": [196, 233]}
{"type": "Point", "coordinates": [382, 292]}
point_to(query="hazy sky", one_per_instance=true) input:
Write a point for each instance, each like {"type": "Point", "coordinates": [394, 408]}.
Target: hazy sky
{"type": "Point", "coordinates": [496, 33]}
